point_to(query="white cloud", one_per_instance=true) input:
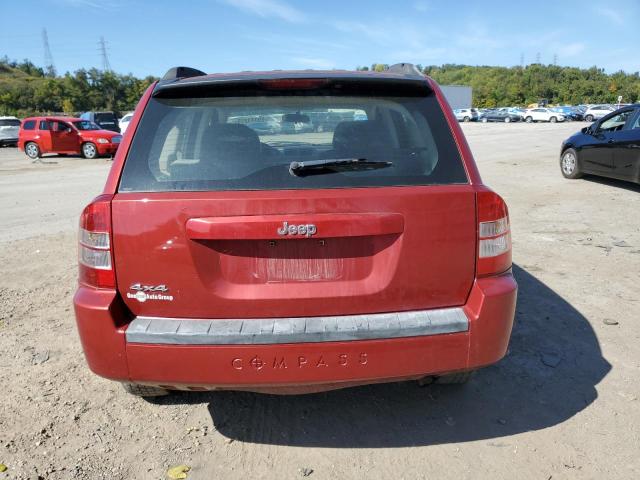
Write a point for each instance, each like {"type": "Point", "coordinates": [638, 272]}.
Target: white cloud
{"type": "Point", "coordinates": [95, 4]}
{"type": "Point", "coordinates": [269, 8]}
{"type": "Point", "coordinates": [421, 6]}
{"type": "Point", "coordinates": [320, 63]}
{"type": "Point", "coordinates": [571, 49]}
{"type": "Point", "coordinates": [613, 15]}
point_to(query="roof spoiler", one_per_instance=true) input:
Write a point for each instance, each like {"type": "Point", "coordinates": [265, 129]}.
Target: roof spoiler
{"type": "Point", "coordinates": [181, 72]}
{"type": "Point", "coordinates": [408, 69]}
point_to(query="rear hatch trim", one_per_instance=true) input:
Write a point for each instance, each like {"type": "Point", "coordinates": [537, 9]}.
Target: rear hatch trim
{"type": "Point", "coordinates": [177, 331]}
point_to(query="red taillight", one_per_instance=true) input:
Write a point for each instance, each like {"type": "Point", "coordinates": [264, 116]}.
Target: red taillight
{"type": "Point", "coordinates": [494, 234]}
{"type": "Point", "coordinates": [293, 83]}
{"type": "Point", "coordinates": [94, 249]}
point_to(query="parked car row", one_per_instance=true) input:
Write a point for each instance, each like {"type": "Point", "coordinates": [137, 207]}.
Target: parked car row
{"type": "Point", "coordinates": [555, 114]}
{"type": "Point", "coordinates": [91, 134]}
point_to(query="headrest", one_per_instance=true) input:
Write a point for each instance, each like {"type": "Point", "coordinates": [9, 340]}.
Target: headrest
{"type": "Point", "coordinates": [233, 136]}
{"type": "Point", "coordinates": [358, 135]}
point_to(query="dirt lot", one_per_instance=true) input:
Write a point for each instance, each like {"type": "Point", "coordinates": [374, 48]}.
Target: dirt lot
{"type": "Point", "coordinates": [563, 404]}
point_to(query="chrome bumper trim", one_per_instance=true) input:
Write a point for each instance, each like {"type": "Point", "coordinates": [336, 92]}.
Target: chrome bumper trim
{"type": "Point", "coordinates": [187, 331]}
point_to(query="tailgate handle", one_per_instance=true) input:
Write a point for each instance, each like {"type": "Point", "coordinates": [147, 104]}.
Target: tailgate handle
{"type": "Point", "coordinates": [299, 226]}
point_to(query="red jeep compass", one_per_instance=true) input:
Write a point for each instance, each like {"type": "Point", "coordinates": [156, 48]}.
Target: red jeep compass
{"type": "Point", "coordinates": [292, 232]}
{"type": "Point", "coordinates": [40, 135]}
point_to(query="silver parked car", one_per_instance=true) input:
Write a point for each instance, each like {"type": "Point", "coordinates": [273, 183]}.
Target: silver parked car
{"type": "Point", "coordinates": [466, 114]}
{"type": "Point", "coordinates": [596, 112]}
{"type": "Point", "coordinates": [9, 127]}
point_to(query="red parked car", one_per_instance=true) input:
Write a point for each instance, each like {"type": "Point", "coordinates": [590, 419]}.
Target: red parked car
{"type": "Point", "coordinates": [65, 135]}
{"type": "Point", "coordinates": [293, 260]}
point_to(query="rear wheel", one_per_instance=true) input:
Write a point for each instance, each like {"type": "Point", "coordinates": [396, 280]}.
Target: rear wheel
{"type": "Point", "coordinates": [507, 119]}
{"type": "Point", "coordinates": [589, 118]}
{"type": "Point", "coordinates": [89, 150]}
{"type": "Point", "coordinates": [569, 164]}
{"type": "Point", "coordinates": [144, 390]}
{"type": "Point", "coordinates": [528, 119]}
{"type": "Point", "coordinates": [553, 119]}
{"type": "Point", "coordinates": [32, 150]}
{"type": "Point", "coordinates": [466, 119]}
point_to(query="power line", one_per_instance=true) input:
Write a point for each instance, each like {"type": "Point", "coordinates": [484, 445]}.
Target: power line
{"type": "Point", "coordinates": [105, 59]}
{"type": "Point", "coordinates": [48, 58]}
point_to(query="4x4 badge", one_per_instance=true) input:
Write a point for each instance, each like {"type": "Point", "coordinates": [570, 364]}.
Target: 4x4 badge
{"type": "Point", "coordinates": [149, 292]}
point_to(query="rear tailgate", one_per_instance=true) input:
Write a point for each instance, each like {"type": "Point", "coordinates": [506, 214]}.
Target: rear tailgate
{"type": "Point", "coordinates": [381, 250]}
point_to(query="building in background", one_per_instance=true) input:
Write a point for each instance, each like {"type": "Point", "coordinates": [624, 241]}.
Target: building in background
{"type": "Point", "coordinates": [458, 96]}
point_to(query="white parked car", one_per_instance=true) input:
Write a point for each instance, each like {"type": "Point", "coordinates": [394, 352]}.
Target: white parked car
{"type": "Point", "coordinates": [466, 114]}
{"type": "Point", "coordinates": [543, 115]}
{"type": "Point", "coordinates": [124, 122]}
{"type": "Point", "coordinates": [9, 128]}
{"type": "Point", "coordinates": [596, 112]}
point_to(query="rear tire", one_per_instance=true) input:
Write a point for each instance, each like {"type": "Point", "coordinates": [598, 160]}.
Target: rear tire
{"type": "Point", "coordinates": [455, 378]}
{"type": "Point", "coordinates": [507, 119]}
{"type": "Point", "coordinates": [569, 164]}
{"type": "Point", "coordinates": [466, 119]}
{"type": "Point", "coordinates": [32, 150]}
{"type": "Point", "coordinates": [529, 119]}
{"type": "Point", "coordinates": [144, 390]}
{"type": "Point", "coordinates": [553, 119]}
{"type": "Point", "coordinates": [89, 150]}
{"type": "Point", "coordinates": [589, 118]}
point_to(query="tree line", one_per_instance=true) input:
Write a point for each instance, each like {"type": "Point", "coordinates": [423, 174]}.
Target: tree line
{"type": "Point", "coordinates": [521, 86]}
{"type": "Point", "coordinates": [26, 89]}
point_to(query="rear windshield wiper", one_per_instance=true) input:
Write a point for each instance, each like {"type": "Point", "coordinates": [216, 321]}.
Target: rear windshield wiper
{"type": "Point", "coordinates": [330, 165]}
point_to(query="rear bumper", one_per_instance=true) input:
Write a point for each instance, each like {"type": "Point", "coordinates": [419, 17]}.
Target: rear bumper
{"type": "Point", "coordinates": [326, 362]}
{"type": "Point", "coordinates": [107, 148]}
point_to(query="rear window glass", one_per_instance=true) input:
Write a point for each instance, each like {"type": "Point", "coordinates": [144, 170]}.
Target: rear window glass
{"type": "Point", "coordinates": [249, 142]}
{"type": "Point", "coordinates": [29, 125]}
{"type": "Point", "coordinates": [44, 125]}
{"type": "Point", "coordinates": [9, 122]}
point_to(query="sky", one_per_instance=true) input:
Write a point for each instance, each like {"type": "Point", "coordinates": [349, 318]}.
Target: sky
{"type": "Point", "coordinates": [149, 37]}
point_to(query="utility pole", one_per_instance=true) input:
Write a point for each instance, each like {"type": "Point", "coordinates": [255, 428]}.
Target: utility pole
{"type": "Point", "coordinates": [555, 59]}
{"type": "Point", "coordinates": [49, 67]}
{"type": "Point", "coordinates": [538, 58]}
{"type": "Point", "coordinates": [103, 52]}
{"type": "Point", "coordinates": [522, 60]}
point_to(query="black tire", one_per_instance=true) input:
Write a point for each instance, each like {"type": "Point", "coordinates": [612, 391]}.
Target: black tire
{"type": "Point", "coordinates": [553, 119]}
{"type": "Point", "coordinates": [144, 390]}
{"type": "Point", "coordinates": [589, 118]}
{"type": "Point", "coordinates": [89, 150]}
{"type": "Point", "coordinates": [32, 150]}
{"type": "Point", "coordinates": [466, 119]}
{"type": "Point", "coordinates": [529, 119]}
{"type": "Point", "coordinates": [507, 119]}
{"type": "Point", "coordinates": [570, 168]}
{"type": "Point", "coordinates": [455, 378]}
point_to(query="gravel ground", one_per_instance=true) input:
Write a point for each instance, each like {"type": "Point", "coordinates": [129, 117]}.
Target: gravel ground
{"type": "Point", "coordinates": [563, 404]}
